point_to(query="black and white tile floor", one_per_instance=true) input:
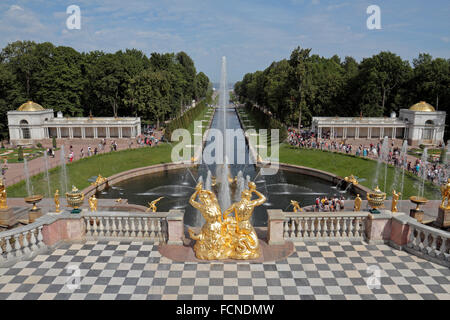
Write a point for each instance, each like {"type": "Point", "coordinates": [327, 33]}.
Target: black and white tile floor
{"type": "Point", "coordinates": [136, 270]}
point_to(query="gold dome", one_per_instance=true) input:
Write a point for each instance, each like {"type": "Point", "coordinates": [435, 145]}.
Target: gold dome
{"type": "Point", "coordinates": [422, 106]}
{"type": "Point", "coordinates": [30, 106]}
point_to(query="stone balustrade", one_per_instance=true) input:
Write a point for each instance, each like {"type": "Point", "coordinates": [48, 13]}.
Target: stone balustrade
{"type": "Point", "coordinates": [323, 226]}
{"type": "Point", "coordinates": [134, 225]}
{"type": "Point", "coordinates": [327, 225]}
{"type": "Point", "coordinates": [427, 242]}
{"type": "Point", "coordinates": [21, 243]}
{"type": "Point", "coordinates": [53, 228]}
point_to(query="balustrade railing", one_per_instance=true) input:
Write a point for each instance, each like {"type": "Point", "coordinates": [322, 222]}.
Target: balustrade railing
{"type": "Point", "coordinates": [144, 226]}
{"type": "Point", "coordinates": [429, 242]}
{"type": "Point", "coordinates": [22, 242]}
{"type": "Point", "coordinates": [324, 226]}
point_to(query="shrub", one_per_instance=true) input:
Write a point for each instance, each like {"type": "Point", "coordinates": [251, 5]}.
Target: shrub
{"type": "Point", "coordinates": [39, 145]}
{"type": "Point", "coordinates": [54, 142]}
{"type": "Point", "coordinates": [442, 158]}
{"type": "Point", "coordinates": [20, 154]}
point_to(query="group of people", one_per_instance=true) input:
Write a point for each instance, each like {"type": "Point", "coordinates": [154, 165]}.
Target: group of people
{"type": "Point", "coordinates": [329, 205]}
{"type": "Point", "coordinates": [434, 172]}
{"type": "Point", "coordinates": [147, 140]}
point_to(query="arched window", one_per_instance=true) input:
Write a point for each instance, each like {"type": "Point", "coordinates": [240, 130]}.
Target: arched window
{"type": "Point", "coordinates": [428, 131]}
{"type": "Point", "coordinates": [24, 129]}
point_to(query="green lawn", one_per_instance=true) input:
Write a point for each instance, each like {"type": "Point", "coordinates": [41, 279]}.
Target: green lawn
{"type": "Point", "coordinates": [29, 153]}
{"type": "Point", "coordinates": [345, 165]}
{"type": "Point", "coordinates": [106, 164]}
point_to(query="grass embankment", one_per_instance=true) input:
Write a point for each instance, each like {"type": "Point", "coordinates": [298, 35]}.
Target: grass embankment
{"type": "Point", "coordinates": [106, 164]}
{"type": "Point", "coordinates": [344, 165]}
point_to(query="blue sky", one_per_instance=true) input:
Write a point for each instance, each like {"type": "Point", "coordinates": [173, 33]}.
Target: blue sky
{"type": "Point", "coordinates": [251, 34]}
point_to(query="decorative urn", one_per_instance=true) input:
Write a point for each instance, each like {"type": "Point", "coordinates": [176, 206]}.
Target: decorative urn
{"type": "Point", "coordinates": [418, 201]}
{"type": "Point", "coordinates": [33, 200]}
{"type": "Point", "coordinates": [376, 199]}
{"type": "Point", "coordinates": [75, 199]}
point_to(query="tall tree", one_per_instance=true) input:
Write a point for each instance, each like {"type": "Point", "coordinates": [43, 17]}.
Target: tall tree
{"type": "Point", "coordinates": [299, 63]}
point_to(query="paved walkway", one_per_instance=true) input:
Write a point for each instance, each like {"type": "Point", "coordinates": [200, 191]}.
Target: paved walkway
{"type": "Point", "coordinates": [15, 171]}
{"type": "Point", "coordinates": [136, 270]}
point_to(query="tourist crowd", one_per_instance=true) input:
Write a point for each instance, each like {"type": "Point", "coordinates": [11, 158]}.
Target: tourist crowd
{"type": "Point", "coordinates": [432, 171]}
{"type": "Point", "coordinates": [329, 205]}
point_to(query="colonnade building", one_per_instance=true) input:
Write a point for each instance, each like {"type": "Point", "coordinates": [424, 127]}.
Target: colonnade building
{"type": "Point", "coordinates": [31, 123]}
{"type": "Point", "coordinates": [420, 124]}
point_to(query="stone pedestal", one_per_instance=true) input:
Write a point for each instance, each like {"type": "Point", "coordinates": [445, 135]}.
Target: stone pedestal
{"type": "Point", "coordinates": [175, 227]}
{"type": "Point", "coordinates": [443, 218]}
{"type": "Point", "coordinates": [7, 217]}
{"type": "Point", "coordinates": [34, 214]}
{"type": "Point", "coordinates": [416, 214]}
{"type": "Point", "coordinates": [275, 230]}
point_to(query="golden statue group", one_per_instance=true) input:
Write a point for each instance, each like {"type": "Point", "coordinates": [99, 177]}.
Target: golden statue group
{"type": "Point", "coordinates": [226, 237]}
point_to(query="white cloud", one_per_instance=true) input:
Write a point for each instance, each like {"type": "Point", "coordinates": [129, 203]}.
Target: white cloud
{"type": "Point", "coordinates": [15, 7]}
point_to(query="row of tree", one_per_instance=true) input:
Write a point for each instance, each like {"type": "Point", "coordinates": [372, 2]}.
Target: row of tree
{"type": "Point", "coordinates": [125, 83]}
{"type": "Point", "coordinates": [306, 85]}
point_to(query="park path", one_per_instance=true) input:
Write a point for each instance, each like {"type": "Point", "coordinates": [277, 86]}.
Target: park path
{"type": "Point", "coordinates": [16, 171]}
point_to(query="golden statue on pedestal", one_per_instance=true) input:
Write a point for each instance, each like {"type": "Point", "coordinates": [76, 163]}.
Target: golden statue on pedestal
{"type": "Point", "coordinates": [226, 237]}
{"type": "Point", "coordinates": [93, 202]}
{"type": "Point", "coordinates": [296, 206]}
{"type": "Point", "coordinates": [56, 199]}
{"type": "Point", "coordinates": [395, 198]}
{"type": "Point", "coordinates": [152, 205]}
{"type": "Point", "coordinates": [3, 204]}
{"type": "Point", "coordinates": [358, 202]}
{"type": "Point", "coordinates": [445, 191]}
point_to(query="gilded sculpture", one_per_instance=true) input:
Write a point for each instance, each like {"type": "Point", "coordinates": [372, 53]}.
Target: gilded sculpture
{"type": "Point", "coordinates": [99, 181]}
{"type": "Point", "coordinates": [57, 203]}
{"type": "Point", "coordinates": [358, 202]}
{"type": "Point", "coordinates": [3, 204]}
{"type": "Point", "coordinates": [245, 242]}
{"type": "Point", "coordinates": [226, 237]}
{"type": "Point", "coordinates": [445, 191]}
{"type": "Point", "coordinates": [395, 198]}
{"type": "Point", "coordinates": [351, 179]}
{"type": "Point", "coordinates": [296, 206]}
{"type": "Point", "coordinates": [211, 243]}
{"type": "Point", "coordinates": [152, 205]}
{"type": "Point", "coordinates": [93, 202]}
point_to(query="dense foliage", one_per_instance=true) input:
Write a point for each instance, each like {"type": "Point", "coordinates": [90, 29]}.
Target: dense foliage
{"type": "Point", "coordinates": [125, 83]}
{"type": "Point", "coordinates": [306, 85]}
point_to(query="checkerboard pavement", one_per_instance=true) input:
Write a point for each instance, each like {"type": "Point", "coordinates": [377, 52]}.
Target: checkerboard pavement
{"type": "Point", "coordinates": [136, 270]}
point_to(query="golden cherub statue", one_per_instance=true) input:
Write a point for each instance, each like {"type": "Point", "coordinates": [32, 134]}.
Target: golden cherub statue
{"type": "Point", "coordinates": [56, 199]}
{"type": "Point", "coordinates": [3, 199]}
{"type": "Point", "coordinates": [93, 201]}
{"type": "Point", "coordinates": [296, 206]}
{"type": "Point", "coordinates": [445, 191]}
{"type": "Point", "coordinates": [395, 198]}
{"type": "Point", "coordinates": [152, 205]}
{"type": "Point", "coordinates": [358, 202]}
